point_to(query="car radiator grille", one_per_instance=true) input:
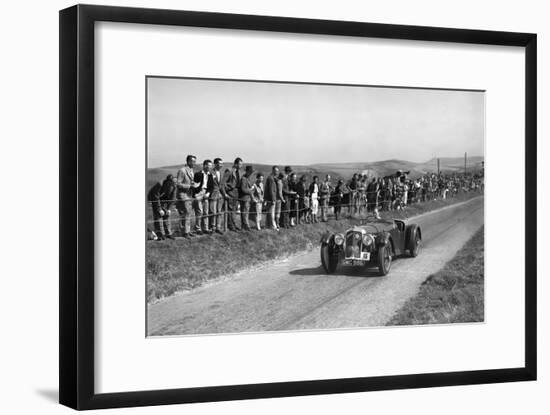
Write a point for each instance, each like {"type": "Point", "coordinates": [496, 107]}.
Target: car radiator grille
{"type": "Point", "coordinates": [353, 245]}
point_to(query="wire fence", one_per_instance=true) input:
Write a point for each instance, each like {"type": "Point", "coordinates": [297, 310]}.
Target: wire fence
{"type": "Point", "coordinates": [199, 213]}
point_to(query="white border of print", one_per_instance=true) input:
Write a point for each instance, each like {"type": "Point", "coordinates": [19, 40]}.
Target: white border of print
{"type": "Point", "coordinates": [126, 360]}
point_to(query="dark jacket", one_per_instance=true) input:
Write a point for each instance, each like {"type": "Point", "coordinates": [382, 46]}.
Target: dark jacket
{"type": "Point", "coordinates": [280, 195]}
{"type": "Point", "coordinates": [168, 192]}
{"type": "Point", "coordinates": [288, 189]}
{"type": "Point", "coordinates": [270, 191]}
{"type": "Point", "coordinates": [293, 189]}
{"type": "Point", "coordinates": [245, 189]}
{"type": "Point", "coordinates": [199, 176]}
{"type": "Point", "coordinates": [312, 188]}
{"type": "Point", "coordinates": [232, 183]}
{"type": "Point", "coordinates": [372, 188]}
{"type": "Point", "coordinates": [154, 195]}
{"type": "Point", "coordinates": [302, 189]}
{"type": "Point", "coordinates": [341, 194]}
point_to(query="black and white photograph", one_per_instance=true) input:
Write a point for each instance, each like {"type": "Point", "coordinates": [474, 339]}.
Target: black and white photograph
{"type": "Point", "coordinates": [284, 206]}
{"type": "Point", "coordinates": [275, 207]}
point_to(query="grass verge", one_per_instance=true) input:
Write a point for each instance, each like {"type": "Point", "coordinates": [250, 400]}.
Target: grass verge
{"type": "Point", "coordinates": [452, 295]}
{"type": "Point", "coordinates": [173, 266]}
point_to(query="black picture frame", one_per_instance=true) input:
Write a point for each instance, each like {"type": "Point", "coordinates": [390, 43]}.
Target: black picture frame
{"type": "Point", "coordinates": [76, 279]}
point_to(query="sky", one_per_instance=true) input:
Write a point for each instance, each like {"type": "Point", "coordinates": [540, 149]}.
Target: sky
{"type": "Point", "coordinates": [282, 123]}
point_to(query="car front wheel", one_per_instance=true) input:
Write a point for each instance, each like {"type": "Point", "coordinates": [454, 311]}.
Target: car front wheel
{"type": "Point", "coordinates": [328, 259]}
{"type": "Point", "coordinates": [384, 259]}
{"type": "Point", "coordinates": [414, 245]}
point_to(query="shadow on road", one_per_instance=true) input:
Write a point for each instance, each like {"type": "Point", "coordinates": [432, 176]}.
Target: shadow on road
{"type": "Point", "coordinates": [308, 271]}
{"type": "Point", "coordinates": [346, 271]}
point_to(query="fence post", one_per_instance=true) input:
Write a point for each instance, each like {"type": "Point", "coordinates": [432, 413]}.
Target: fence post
{"type": "Point", "coordinates": [297, 211]}
{"type": "Point", "coordinates": [224, 210]}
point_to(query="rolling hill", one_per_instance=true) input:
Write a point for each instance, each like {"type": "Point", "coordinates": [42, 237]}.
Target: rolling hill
{"type": "Point", "coordinates": [346, 170]}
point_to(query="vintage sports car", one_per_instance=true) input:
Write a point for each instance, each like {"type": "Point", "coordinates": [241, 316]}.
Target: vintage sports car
{"type": "Point", "coordinates": [374, 242]}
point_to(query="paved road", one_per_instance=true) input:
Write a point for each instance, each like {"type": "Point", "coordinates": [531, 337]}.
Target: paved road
{"type": "Point", "coordinates": [295, 293]}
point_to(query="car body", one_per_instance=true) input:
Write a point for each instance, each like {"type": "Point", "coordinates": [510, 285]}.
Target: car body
{"type": "Point", "coordinates": [374, 242]}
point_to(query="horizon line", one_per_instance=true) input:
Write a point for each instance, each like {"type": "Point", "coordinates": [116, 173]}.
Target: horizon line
{"type": "Point", "coordinates": [327, 163]}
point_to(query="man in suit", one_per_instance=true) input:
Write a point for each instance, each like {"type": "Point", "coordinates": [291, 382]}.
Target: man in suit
{"type": "Point", "coordinates": [293, 199]}
{"type": "Point", "coordinates": [270, 197]}
{"type": "Point", "coordinates": [232, 185]}
{"type": "Point", "coordinates": [340, 197]}
{"type": "Point", "coordinates": [245, 196]}
{"type": "Point", "coordinates": [288, 194]}
{"type": "Point", "coordinates": [217, 197]}
{"type": "Point", "coordinates": [185, 185]}
{"type": "Point", "coordinates": [201, 195]}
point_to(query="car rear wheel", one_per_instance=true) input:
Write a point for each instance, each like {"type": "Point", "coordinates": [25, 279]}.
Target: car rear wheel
{"type": "Point", "coordinates": [414, 245]}
{"type": "Point", "coordinates": [384, 259]}
{"type": "Point", "coordinates": [328, 259]}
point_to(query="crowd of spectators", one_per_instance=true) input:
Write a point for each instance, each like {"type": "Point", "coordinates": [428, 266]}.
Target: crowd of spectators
{"type": "Point", "coordinates": [235, 200]}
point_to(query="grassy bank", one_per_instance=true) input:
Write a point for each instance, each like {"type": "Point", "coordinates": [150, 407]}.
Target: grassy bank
{"type": "Point", "coordinates": [453, 295]}
{"type": "Point", "coordinates": [186, 264]}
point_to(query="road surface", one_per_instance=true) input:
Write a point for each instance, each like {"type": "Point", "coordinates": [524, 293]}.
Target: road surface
{"type": "Point", "coordinates": [295, 293]}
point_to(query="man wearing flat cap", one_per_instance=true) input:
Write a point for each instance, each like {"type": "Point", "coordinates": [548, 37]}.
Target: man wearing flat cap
{"type": "Point", "coordinates": [245, 196]}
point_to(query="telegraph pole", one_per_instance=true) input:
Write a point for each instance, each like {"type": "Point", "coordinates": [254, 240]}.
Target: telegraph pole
{"type": "Point", "coordinates": [465, 161]}
{"type": "Point", "coordinates": [438, 166]}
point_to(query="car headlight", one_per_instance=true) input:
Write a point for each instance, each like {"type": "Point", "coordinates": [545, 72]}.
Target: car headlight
{"type": "Point", "coordinates": [338, 239]}
{"type": "Point", "coordinates": [368, 239]}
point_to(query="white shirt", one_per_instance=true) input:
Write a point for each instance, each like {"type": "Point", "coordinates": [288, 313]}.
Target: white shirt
{"type": "Point", "coordinates": [315, 190]}
{"type": "Point", "coordinates": [204, 180]}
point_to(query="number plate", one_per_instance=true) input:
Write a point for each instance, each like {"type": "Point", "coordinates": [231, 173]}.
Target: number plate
{"type": "Point", "coordinates": [365, 256]}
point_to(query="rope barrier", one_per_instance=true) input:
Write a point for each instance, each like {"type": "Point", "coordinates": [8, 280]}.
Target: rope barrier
{"type": "Point", "coordinates": [387, 197]}
{"type": "Point", "coordinates": [377, 192]}
{"type": "Point", "coordinates": [358, 205]}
